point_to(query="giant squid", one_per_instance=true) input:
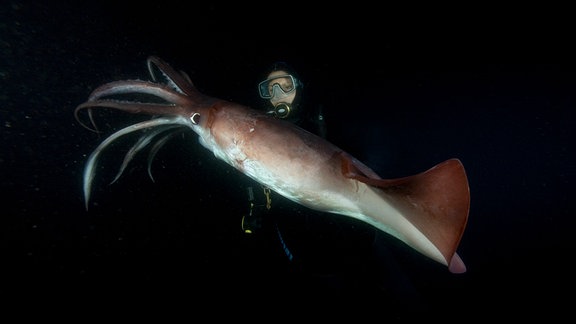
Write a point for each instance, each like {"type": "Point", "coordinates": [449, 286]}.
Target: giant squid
{"type": "Point", "coordinates": [427, 211]}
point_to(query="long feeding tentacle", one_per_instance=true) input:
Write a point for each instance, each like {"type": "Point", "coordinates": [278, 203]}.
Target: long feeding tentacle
{"type": "Point", "coordinates": [90, 168]}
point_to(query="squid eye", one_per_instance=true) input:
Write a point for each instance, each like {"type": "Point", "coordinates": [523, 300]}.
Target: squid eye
{"type": "Point", "coordinates": [195, 118]}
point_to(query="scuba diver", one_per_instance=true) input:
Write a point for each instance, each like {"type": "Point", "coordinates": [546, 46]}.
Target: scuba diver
{"type": "Point", "coordinates": [332, 253]}
{"type": "Point", "coordinates": [282, 90]}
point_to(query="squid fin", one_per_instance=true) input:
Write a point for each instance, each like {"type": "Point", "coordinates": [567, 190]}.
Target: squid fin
{"type": "Point", "coordinates": [436, 202]}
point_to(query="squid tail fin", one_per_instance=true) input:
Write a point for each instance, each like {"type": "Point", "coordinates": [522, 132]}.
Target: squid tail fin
{"type": "Point", "coordinates": [435, 202]}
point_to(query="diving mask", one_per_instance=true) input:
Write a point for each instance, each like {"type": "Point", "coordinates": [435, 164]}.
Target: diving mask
{"type": "Point", "coordinates": [278, 85]}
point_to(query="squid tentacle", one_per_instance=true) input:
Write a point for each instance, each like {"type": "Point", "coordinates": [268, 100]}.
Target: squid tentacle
{"type": "Point", "coordinates": [181, 82]}
{"type": "Point", "coordinates": [138, 87]}
{"type": "Point", "coordinates": [142, 142]}
{"type": "Point", "coordinates": [128, 106]}
{"type": "Point", "coordinates": [156, 147]}
{"type": "Point", "coordinates": [90, 169]}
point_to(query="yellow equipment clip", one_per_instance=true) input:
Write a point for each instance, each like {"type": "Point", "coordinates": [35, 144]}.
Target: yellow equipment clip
{"type": "Point", "coordinates": [268, 198]}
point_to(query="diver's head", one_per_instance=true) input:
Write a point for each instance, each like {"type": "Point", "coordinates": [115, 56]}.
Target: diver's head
{"type": "Point", "coordinates": [281, 88]}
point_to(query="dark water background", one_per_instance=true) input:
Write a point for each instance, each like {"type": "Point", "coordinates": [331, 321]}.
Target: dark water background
{"type": "Point", "coordinates": [503, 103]}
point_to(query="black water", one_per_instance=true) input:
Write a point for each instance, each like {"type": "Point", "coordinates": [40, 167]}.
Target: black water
{"type": "Point", "coordinates": [400, 102]}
